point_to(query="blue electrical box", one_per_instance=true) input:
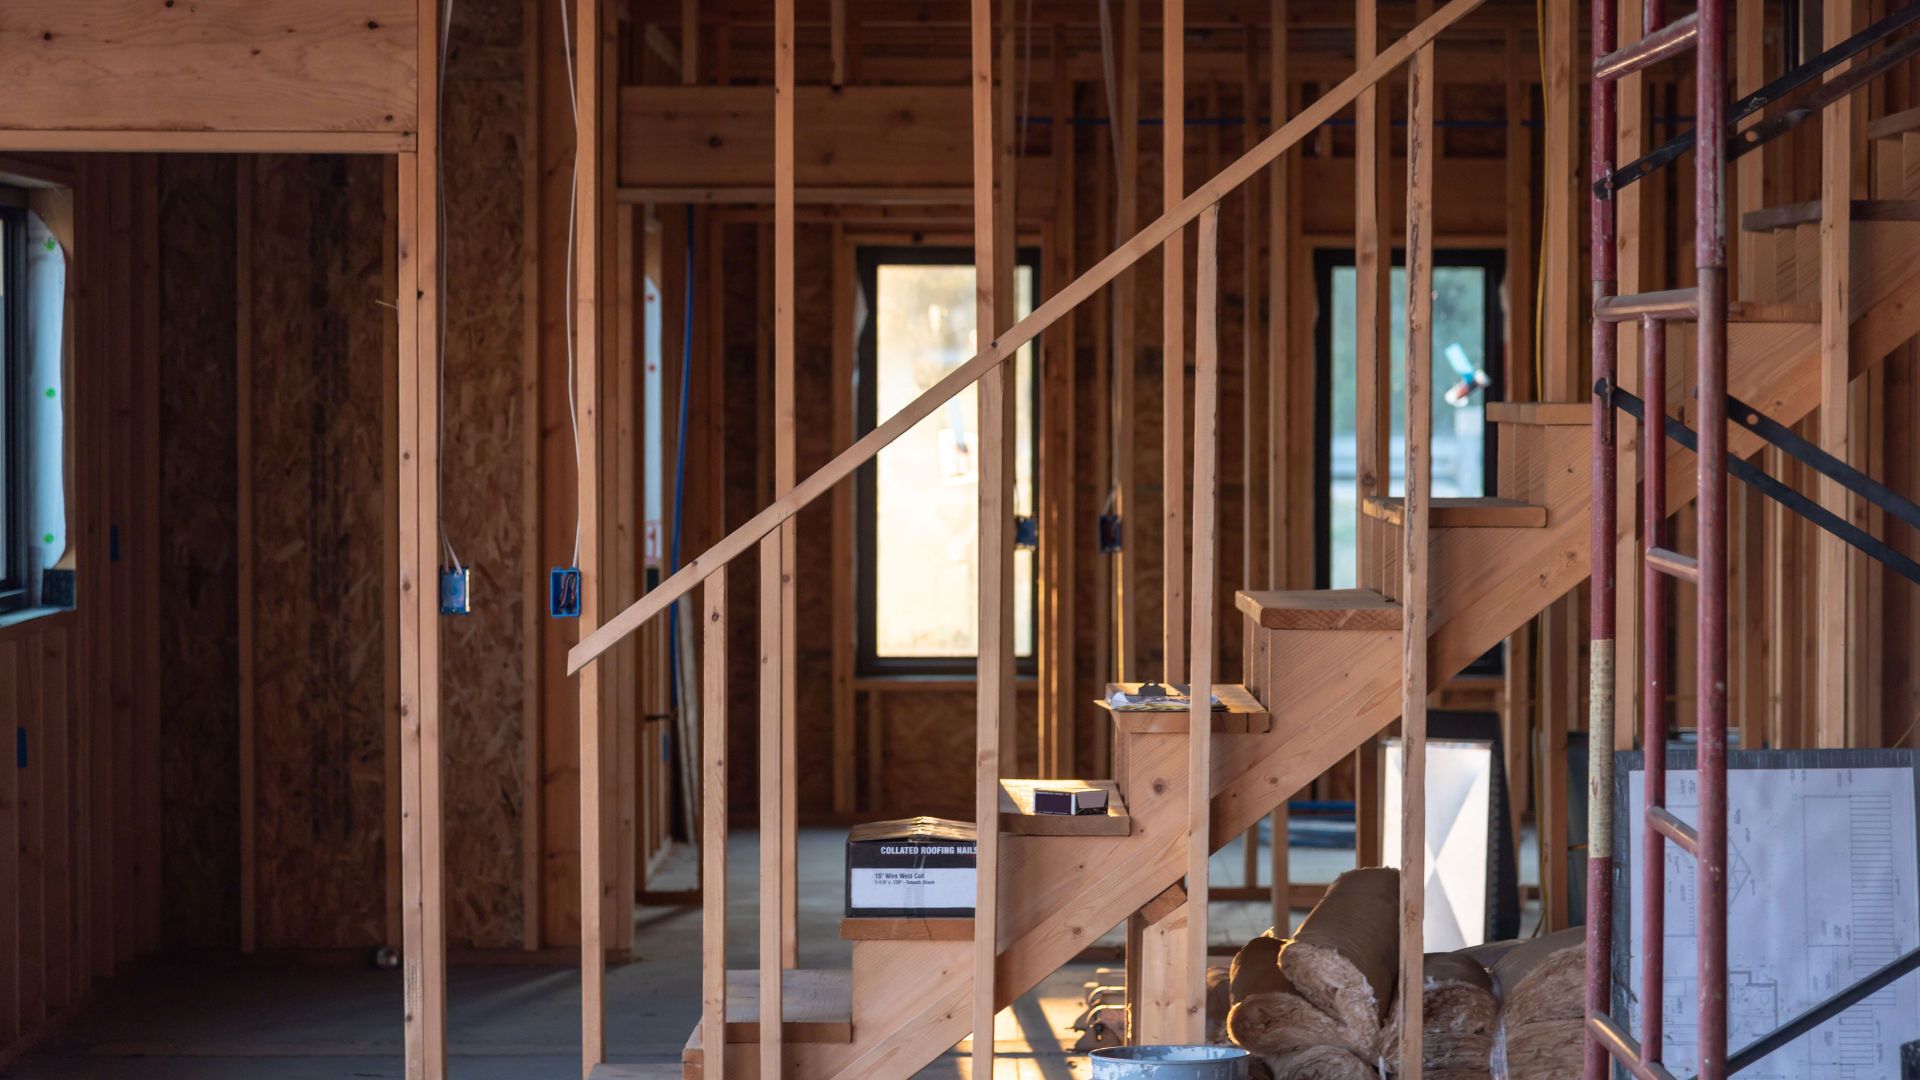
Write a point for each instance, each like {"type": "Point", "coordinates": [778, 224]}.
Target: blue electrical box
{"type": "Point", "coordinates": [1110, 534]}
{"type": "Point", "coordinates": [563, 592]}
{"type": "Point", "coordinates": [454, 597]}
{"type": "Point", "coordinates": [1026, 531]}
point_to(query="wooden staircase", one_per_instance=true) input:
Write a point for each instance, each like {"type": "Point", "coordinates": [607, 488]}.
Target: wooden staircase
{"type": "Point", "coordinates": [1324, 667]}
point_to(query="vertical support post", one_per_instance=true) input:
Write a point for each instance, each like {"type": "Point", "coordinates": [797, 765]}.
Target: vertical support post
{"type": "Point", "coordinates": [1558, 382]}
{"type": "Point", "coordinates": [422, 940]}
{"type": "Point", "coordinates": [1206, 452]}
{"type": "Point", "coordinates": [1127, 212]}
{"type": "Point", "coordinates": [1173, 339]}
{"type": "Point", "coordinates": [778, 922]}
{"type": "Point", "coordinates": [845, 285]}
{"type": "Point", "coordinates": [773, 824]}
{"type": "Point", "coordinates": [1373, 266]}
{"type": "Point", "coordinates": [1710, 705]}
{"type": "Point", "coordinates": [243, 526]}
{"type": "Point", "coordinates": [995, 549]}
{"type": "Point", "coordinates": [784, 467]}
{"type": "Point", "coordinates": [1279, 334]}
{"type": "Point", "coordinates": [713, 832]}
{"type": "Point", "coordinates": [1414, 557]}
{"type": "Point", "coordinates": [585, 317]}
{"type": "Point", "coordinates": [1600, 715]}
{"type": "Point", "coordinates": [422, 862]}
{"type": "Point", "coordinates": [1836, 228]}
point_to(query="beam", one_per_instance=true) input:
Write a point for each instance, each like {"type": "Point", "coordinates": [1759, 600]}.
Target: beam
{"type": "Point", "coordinates": [1836, 228]}
{"type": "Point", "coordinates": [713, 832]}
{"type": "Point", "coordinates": [994, 643]}
{"type": "Point", "coordinates": [1373, 270]}
{"type": "Point", "coordinates": [1125, 358]}
{"type": "Point", "coordinates": [1415, 557]}
{"type": "Point", "coordinates": [785, 469]}
{"type": "Point", "coordinates": [1173, 343]}
{"type": "Point", "coordinates": [421, 863]}
{"type": "Point", "coordinates": [1206, 452]}
{"type": "Point", "coordinates": [585, 317]}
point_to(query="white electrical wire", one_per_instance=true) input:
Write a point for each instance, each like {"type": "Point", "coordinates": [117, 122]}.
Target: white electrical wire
{"type": "Point", "coordinates": [573, 208]}
{"type": "Point", "coordinates": [440, 306]}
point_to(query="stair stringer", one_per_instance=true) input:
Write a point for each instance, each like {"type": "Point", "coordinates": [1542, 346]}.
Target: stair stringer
{"type": "Point", "coordinates": [1775, 366]}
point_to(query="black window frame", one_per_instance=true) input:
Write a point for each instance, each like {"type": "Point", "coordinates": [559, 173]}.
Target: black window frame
{"type": "Point", "coordinates": [868, 258]}
{"type": "Point", "coordinates": [13, 399]}
{"type": "Point", "coordinates": [1325, 261]}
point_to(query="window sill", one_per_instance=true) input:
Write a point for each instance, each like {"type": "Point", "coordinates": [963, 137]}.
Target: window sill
{"type": "Point", "coordinates": [25, 620]}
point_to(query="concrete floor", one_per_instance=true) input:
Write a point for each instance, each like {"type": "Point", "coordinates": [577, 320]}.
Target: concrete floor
{"type": "Point", "coordinates": [217, 1018]}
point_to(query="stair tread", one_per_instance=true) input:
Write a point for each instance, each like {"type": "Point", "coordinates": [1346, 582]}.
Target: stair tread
{"type": "Point", "coordinates": [1320, 609]}
{"type": "Point", "coordinates": [887, 929]}
{"type": "Point", "coordinates": [1017, 816]}
{"type": "Point", "coordinates": [1473, 512]}
{"type": "Point", "coordinates": [1240, 712]}
{"type": "Point", "coordinates": [1894, 125]}
{"type": "Point", "coordinates": [816, 1004]}
{"type": "Point", "coordinates": [1557, 413]}
{"type": "Point", "coordinates": [1793, 215]}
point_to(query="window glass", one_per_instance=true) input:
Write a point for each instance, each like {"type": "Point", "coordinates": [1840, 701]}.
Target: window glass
{"type": "Point", "coordinates": [1463, 371]}
{"type": "Point", "coordinates": [926, 493]}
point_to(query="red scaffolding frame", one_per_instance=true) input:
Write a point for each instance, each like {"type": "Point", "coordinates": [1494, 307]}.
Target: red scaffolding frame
{"type": "Point", "coordinates": [1706, 304]}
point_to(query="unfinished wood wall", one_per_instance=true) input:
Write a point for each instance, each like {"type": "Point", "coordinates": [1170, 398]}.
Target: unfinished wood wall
{"type": "Point", "coordinates": [80, 836]}
{"type": "Point", "coordinates": [199, 693]}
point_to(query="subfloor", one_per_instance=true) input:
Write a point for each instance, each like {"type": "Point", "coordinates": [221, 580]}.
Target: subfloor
{"type": "Point", "coordinates": [218, 1018]}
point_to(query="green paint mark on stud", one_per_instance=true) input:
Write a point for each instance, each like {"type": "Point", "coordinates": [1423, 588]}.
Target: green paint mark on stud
{"type": "Point", "coordinates": [47, 539]}
{"type": "Point", "coordinates": [50, 244]}
{"type": "Point", "coordinates": [50, 391]}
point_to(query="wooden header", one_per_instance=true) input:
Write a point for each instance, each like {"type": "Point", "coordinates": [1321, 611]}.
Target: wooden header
{"type": "Point", "coordinates": [276, 71]}
{"type": "Point", "coordinates": [703, 141]}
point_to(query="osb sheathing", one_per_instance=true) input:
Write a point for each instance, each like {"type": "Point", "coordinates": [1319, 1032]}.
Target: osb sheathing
{"type": "Point", "coordinates": [199, 651]}
{"type": "Point", "coordinates": [482, 680]}
{"type": "Point", "coordinates": [317, 363]}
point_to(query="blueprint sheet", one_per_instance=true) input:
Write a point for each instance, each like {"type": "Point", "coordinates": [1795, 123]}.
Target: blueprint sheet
{"type": "Point", "coordinates": [1821, 892]}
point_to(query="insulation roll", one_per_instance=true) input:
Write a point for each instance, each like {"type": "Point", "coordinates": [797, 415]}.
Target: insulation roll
{"type": "Point", "coordinates": [1346, 954]}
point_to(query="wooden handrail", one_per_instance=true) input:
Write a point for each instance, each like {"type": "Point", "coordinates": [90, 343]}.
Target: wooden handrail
{"type": "Point", "coordinates": [1075, 293]}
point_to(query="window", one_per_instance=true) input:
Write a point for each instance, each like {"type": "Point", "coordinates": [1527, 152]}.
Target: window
{"type": "Point", "coordinates": [13, 413]}
{"type": "Point", "coordinates": [918, 566]}
{"type": "Point", "coordinates": [1466, 374]}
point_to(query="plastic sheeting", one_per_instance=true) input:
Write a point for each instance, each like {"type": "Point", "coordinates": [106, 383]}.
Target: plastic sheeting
{"type": "Point", "coordinates": [46, 405]}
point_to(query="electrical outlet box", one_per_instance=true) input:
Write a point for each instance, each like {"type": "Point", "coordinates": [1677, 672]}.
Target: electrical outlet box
{"type": "Point", "coordinates": [454, 597]}
{"type": "Point", "coordinates": [1026, 532]}
{"type": "Point", "coordinates": [1110, 534]}
{"type": "Point", "coordinates": [563, 592]}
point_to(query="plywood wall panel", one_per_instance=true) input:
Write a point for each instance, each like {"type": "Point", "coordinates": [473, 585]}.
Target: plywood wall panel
{"type": "Point", "coordinates": [317, 369]}
{"type": "Point", "coordinates": [209, 65]}
{"type": "Point", "coordinates": [199, 669]}
{"type": "Point", "coordinates": [483, 685]}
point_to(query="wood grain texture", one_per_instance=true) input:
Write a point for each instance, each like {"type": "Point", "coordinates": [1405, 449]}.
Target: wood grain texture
{"type": "Point", "coordinates": [486, 417]}
{"type": "Point", "coordinates": [723, 137]}
{"type": "Point", "coordinates": [315, 364]}
{"type": "Point", "coordinates": [199, 683]}
{"type": "Point", "coordinates": [210, 66]}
